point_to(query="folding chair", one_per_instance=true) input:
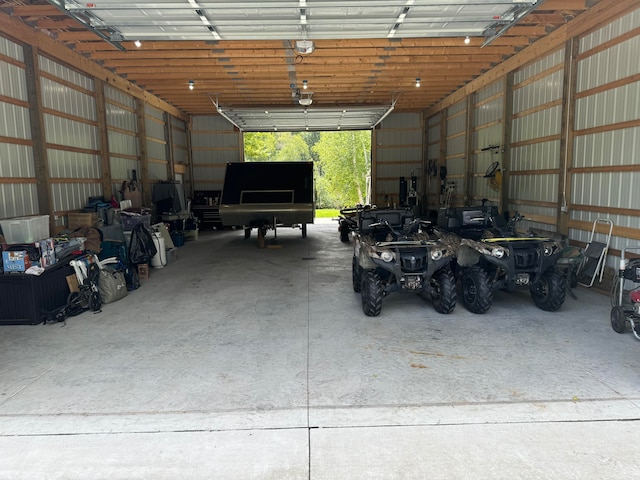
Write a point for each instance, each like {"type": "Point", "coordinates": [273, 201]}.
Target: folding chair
{"type": "Point", "coordinates": [592, 265]}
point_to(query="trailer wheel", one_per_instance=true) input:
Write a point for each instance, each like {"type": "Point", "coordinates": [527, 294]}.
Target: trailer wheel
{"type": "Point", "coordinates": [618, 319]}
{"type": "Point", "coordinates": [548, 293]}
{"type": "Point", "coordinates": [372, 293]}
{"type": "Point", "coordinates": [443, 291]}
{"type": "Point", "coordinates": [356, 275]}
{"type": "Point", "coordinates": [477, 295]}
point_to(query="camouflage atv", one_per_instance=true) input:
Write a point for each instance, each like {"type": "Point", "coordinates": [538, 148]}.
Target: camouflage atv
{"type": "Point", "coordinates": [392, 253]}
{"type": "Point", "coordinates": [491, 256]}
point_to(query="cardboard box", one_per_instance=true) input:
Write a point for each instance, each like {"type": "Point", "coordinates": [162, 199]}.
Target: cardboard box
{"type": "Point", "coordinates": [77, 220]}
{"type": "Point", "coordinates": [15, 261]}
{"type": "Point", "coordinates": [72, 282]}
{"type": "Point", "coordinates": [47, 252]}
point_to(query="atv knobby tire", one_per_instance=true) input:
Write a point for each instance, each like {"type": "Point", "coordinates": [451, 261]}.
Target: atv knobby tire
{"type": "Point", "coordinates": [477, 294]}
{"type": "Point", "coordinates": [356, 275]}
{"type": "Point", "coordinates": [443, 291]}
{"type": "Point", "coordinates": [548, 293]}
{"type": "Point", "coordinates": [372, 293]}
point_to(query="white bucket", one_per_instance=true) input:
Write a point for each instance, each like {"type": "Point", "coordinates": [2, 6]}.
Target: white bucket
{"type": "Point", "coordinates": [159, 260]}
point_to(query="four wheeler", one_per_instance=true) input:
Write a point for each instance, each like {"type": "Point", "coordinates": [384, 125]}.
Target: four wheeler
{"type": "Point", "coordinates": [392, 253]}
{"type": "Point", "coordinates": [491, 256]}
{"type": "Point", "coordinates": [348, 220]}
{"type": "Point", "coordinates": [625, 294]}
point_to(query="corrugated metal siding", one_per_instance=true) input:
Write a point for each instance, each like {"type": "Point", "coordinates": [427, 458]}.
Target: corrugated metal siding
{"type": "Point", "coordinates": [545, 63]}
{"type": "Point", "coordinates": [56, 69]}
{"type": "Point", "coordinates": [121, 167]}
{"type": "Point", "coordinates": [609, 32]}
{"type": "Point", "coordinates": [61, 98]}
{"type": "Point", "coordinates": [214, 143]}
{"type": "Point", "coordinates": [11, 49]}
{"type": "Point", "coordinates": [617, 105]}
{"type": "Point", "coordinates": [609, 105]}
{"type": "Point", "coordinates": [615, 147]}
{"type": "Point", "coordinates": [14, 121]}
{"type": "Point", "coordinates": [73, 196]}
{"type": "Point", "coordinates": [65, 132]}
{"type": "Point", "coordinates": [18, 199]}
{"type": "Point", "coordinates": [115, 96]}
{"type": "Point", "coordinates": [157, 171]}
{"type": "Point", "coordinates": [13, 81]}
{"type": "Point", "coordinates": [64, 164]}
{"type": "Point", "coordinates": [399, 149]}
{"type": "Point", "coordinates": [16, 159]}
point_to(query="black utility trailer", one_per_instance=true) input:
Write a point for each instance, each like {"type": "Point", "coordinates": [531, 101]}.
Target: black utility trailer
{"type": "Point", "coordinates": [266, 195]}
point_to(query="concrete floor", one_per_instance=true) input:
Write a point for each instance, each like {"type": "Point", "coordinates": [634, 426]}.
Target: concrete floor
{"type": "Point", "coordinates": [244, 363]}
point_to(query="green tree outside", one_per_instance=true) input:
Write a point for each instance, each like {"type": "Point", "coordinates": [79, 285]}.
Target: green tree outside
{"type": "Point", "coordinates": [342, 161]}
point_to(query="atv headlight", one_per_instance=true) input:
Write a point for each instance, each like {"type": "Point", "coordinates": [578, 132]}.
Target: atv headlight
{"type": "Point", "coordinates": [387, 256]}
{"type": "Point", "coordinates": [498, 252]}
{"type": "Point", "coordinates": [436, 254]}
{"type": "Point", "coordinates": [548, 249]}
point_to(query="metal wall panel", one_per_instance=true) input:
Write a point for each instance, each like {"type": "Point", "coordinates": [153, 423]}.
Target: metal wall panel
{"type": "Point", "coordinates": [489, 112]}
{"type": "Point", "coordinates": [209, 175]}
{"type": "Point", "coordinates": [157, 171]}
{"type": "Point", "coordinates": [536, 125]}
{"type": "Point", "coordinates": [156, 150]}
{"type": "Point", "coordinates": [456, 145]}
{"type": "Point", "coordinates": [456, 123]}
{"type": "Point", "coordinates": [617, 105]}
{"type": "Point", "coordinates": [203, 157]}
{"type": "Point", "coordinates": [61, 98]}
{"type": "Point", "coordinates": [73, 196]}
{"type": "Point", "coordinates": [113, 95]}
{"type": "Point", "coordinates": [14, 121]}
{"type": "Point", "coordinates": [223, 139]}
{"type": "Point", "coordinates": [401, 121]}
{"type": "Point", "coordinates": [539, 66]}
{"type": "Point", "coordinates": [63, 131]}
{"type": "Point", "coordinates": [433, 151]}
{"type": "Point", "coordinates": [211, 122]}
{"type": "Point", "coordinates": [541, 187]}
{"type": "Point", "coordinates": [64, 73]}
{"type": "Point", "coordinates": [18, 199]}
{"type": "Point", "coordinates": [121, 167]}
{"type": "Point", "coordinates": [123, 144]}
{"type": "Point", "coordinates": [13, 83]}
{"type": "Point", "coordinates": [610, 31]}
{"type": "Point", "coordinates": [606, 66]}
{"type": "Point", "coordinates": [457, 108]}
{"type": "Point", "coordinates": [607, 189]}
{"type": "Point", "coordinates": [120, 117]}
{"type": "Point", "coordinates": [64, 164]}
{"type": "Point", "coordinates": [399, 137]}
{"type": "Point", "coordinates": [540, 92]}
{"type": "Point", "coordinates": [496, 88]}
{"type": "Point", "coordinates": [11, 49]}
{"type": "Point", "coordinates": [615, 147]}
{"type": "Point", "coordinates": [151, 111]}
{"type": "Point", "coordinates": [536, 156]}
{"type": "Point", "coordinates": [155, 129]}
{"type": "Point", "coordinates": [16, 161]}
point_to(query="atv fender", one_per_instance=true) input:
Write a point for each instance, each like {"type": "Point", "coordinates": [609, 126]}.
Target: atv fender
{"type": "Point", "coordinates": [364, 258]}
{"type": "Point", "coordinates": [468, 256]}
